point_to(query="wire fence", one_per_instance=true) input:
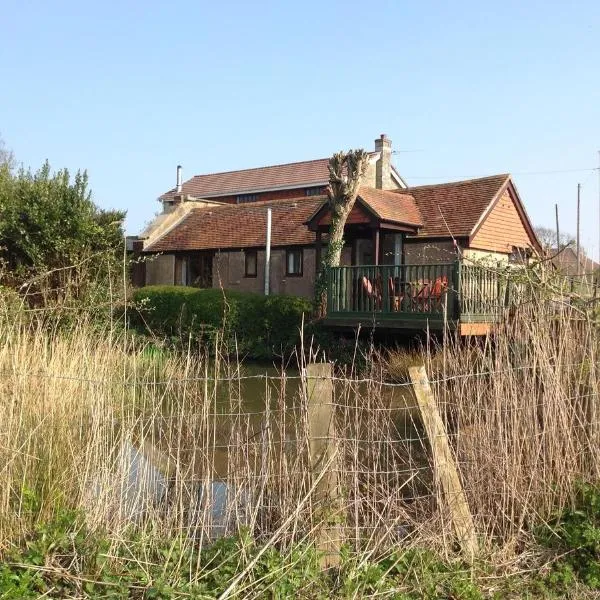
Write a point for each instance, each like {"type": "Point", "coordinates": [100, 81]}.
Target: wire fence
{"type": "Point", "coordinates": [208, 454]}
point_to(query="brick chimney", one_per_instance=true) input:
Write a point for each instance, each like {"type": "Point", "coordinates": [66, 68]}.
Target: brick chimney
{"type": "Point", "coordinates": [383, 166]}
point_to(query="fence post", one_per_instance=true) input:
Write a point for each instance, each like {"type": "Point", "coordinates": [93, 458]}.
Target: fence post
{"type": "Point", "coordinates": [322, 458]}
{"type": "Point", "coordinates": [444, 464]}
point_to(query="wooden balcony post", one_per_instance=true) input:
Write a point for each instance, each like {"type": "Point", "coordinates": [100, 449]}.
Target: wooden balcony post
{"type": "Point", "coordinates": [376, 245]}
{"type": "Point", "coordinates": [456, 296]}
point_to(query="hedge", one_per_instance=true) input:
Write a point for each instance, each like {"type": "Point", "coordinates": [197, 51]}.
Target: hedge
{"type": "Point", "coordinates": [261, 326]}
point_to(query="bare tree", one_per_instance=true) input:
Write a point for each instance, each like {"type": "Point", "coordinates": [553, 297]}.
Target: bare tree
{"type": "Point", "coordinates": [547, 237]}
{"type": "Point", "coordinates": [346, 172]}
{"type": "Point", "coordinates": [6, 155]}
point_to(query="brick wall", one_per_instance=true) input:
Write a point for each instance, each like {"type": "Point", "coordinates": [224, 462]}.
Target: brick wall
{"type": "Point", "coordinates": [273, 195]}
{"type": "Point", "coordinates": [229, 273]}
{"type": "Point", "coordinates": [160, 270]}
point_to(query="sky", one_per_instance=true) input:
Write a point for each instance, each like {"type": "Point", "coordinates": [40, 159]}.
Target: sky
{"type": "Point", "coordinates": [129, 90]}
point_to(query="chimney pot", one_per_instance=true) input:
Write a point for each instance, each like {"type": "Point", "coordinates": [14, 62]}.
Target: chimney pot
{"type": "Point", "coordinates": [179, 186]}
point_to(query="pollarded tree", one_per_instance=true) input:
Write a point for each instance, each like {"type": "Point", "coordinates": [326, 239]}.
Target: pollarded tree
{"type": "Point", "coordinates": [346, 172]}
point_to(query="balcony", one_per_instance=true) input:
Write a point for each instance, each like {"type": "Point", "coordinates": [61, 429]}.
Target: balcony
{"type": "Point", "coordinates": [417, 297]}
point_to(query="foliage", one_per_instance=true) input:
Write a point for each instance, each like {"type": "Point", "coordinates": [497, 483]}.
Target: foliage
{"type": "Point", "coordinates": [63, 558]}
{"type": "Point", "coordinates": [251, 324]}
{"type": "Point", "coordinates": [7, 158]}
{"type": "Point", "coordinates": [56, 243]}
{"type": "Point", "coordinates": [575, 534]}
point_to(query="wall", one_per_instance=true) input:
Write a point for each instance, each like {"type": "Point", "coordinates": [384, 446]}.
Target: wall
{"type": "Point", "coordinates": [160, 269]}
{"type": "Point", "coordinates": [484, 256]}
{"type": "Point", "coordinates": [502, 229]}
{"type": "Point", "coordinates": [229, 267]}
{"type": "Point", "coordinates": [423, 252]}
{"type": "Point", "coordinates": [272, 195]}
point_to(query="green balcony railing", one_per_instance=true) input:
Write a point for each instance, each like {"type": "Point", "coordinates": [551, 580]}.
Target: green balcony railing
{"type": "Point", "coordinates": [440, 291]}
{"type": "Point", "coordinates": [393, 290]}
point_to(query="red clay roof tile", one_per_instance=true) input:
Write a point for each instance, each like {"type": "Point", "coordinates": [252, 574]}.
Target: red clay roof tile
{"type": "Point", "coordinates": [240, 226]}
{"type": "Point", "coordinates": [398, 207]}
{"type": "Point", "coordinates": [301, 174]}
{"type": "Point", "coordinates": [454, 209]}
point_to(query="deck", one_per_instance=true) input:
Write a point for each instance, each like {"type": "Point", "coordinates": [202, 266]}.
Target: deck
{"type": "Point", "coordinates": [456, 296]}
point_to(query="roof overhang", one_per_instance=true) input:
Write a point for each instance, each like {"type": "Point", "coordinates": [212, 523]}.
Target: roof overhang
{"type": "Point", "coordinates": [376, 221]}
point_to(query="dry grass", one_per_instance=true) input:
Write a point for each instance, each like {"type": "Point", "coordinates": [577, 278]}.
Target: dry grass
{"type": "Point", "coordinates": [74, 405]}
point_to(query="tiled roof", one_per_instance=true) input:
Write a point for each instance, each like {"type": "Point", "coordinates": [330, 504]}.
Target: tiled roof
{"type": "Point", "coordinates": [566, 261]}
{"type": "Point", "coordinates": [300, 174]}
{"type": "Point", "coordinates": [240, 226]}
{"type": "Point", "coordinates": [455, 208]}
{"type": "Point", "coordinates": [392, 206]}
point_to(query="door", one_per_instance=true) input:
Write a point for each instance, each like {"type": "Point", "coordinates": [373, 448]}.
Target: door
{"type": "Point", "coordinates": [200, 270]}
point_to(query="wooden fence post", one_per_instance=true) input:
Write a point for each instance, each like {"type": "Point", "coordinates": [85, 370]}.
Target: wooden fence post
{"type": "Point", "coordinates": [322, 456]}
{"type": "Point", "coordinates": [444, 464]}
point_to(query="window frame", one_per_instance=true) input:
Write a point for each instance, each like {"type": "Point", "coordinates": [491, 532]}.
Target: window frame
{"type": "Point", "coordinates": [288, 252]}
{"type": "Point", "coordinates": [247, 254]}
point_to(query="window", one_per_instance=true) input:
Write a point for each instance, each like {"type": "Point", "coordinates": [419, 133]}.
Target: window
{"type": "Point", "coordinates": [315, 191]}
{"type": "Point", "coordinates": [519, 256]}
{"type": "Point", "coordinates": [293, 262]}
{"type": "Point", "coordinates": [243, 198]}
{"type": "Point", "coordinates": [250, 261]}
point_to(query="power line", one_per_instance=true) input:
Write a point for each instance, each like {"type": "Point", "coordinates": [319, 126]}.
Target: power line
{"type": "Point", "coordinates": [552, 172]}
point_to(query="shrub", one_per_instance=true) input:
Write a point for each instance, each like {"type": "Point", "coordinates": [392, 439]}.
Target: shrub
{"type": "Point", "coordinates": [256, 326]}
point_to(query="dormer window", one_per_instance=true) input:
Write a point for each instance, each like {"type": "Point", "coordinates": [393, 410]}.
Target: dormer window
{"type": "Point", "coordinates": [243, 198]}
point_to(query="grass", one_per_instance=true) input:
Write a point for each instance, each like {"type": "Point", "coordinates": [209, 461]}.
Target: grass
{"type": "Point", "coordinates": [76, 520]}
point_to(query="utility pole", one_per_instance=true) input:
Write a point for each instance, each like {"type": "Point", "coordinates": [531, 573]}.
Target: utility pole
{"type": "Point", "coordinates": [599, 206]}
{"type": "Point", "coordinates": [268, 254]}
{"type": "Point", "coordinates": [557, 229]}
{"type": "Point", "coordinates": [578, 228]}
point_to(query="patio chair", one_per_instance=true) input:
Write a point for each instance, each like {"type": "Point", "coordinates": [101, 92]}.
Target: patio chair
{"type": "Point", "coordinates": [429, 296]}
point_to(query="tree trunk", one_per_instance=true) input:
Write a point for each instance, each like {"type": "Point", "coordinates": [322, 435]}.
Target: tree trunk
{"type": "Point", "coordinates": [346, 171]}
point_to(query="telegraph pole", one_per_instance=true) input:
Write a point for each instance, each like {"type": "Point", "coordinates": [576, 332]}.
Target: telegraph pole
{"type": "Point", "coordinates": [578, 228]}
{"type": "Point", "coordinates": [557, 229]}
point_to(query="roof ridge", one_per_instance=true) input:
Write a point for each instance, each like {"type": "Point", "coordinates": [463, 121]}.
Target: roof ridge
{"type": "Point", "coordinates": [297, 162]}
{"type": "Point", "coordinates": [400, 191]}
{"type": "Point", "coordinates": [273, 202]}
{"type": "Point", "coordinates": [504, 176]}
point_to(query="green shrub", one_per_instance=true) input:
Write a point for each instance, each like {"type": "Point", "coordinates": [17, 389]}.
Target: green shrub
{"type": "Point", "coordinates": [253, 325]}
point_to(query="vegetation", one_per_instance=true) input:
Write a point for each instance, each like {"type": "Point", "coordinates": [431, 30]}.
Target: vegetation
{"type": "Point", "coordinates": [130, 471]}
{"type": "Point", "coordinates": [251, 325]}
{"type": "Point", "coordinates": [77, 403]}
{"type": "Point", "coordinates": [57, 246]}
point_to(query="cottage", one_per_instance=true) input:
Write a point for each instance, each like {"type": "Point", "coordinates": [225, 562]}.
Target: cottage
{"type": "Point", "coordinates": [403, 245]}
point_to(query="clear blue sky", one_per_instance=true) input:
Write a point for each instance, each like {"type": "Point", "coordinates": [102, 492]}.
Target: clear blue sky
{"type": "Point", "coordinates": [128, 90]}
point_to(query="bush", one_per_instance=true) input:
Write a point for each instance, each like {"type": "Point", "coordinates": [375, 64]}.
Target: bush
{"type": "Point", "coordinates": [255, 326]}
